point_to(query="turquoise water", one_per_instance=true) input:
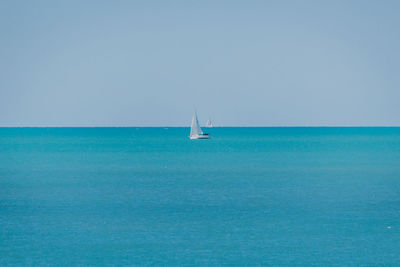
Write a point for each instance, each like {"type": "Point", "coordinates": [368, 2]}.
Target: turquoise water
{"type": "Point", "coordinates": [246, 197]}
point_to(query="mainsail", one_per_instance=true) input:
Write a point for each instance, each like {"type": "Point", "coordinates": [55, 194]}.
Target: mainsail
{"type": "Point", "coordinates": [209, 123]}
{"type": "Point", "coordinates": [195, 129]}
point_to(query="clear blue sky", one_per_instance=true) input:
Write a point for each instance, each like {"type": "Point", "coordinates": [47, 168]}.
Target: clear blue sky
{"type": "Point", "coordinates": [244, 63]}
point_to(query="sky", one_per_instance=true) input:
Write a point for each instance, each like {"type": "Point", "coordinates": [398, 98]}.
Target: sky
{"type": "Point", "coordinates": [242, 63]}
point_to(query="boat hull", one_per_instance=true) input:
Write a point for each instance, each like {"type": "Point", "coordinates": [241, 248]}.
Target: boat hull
{"type": "Point", "coordinates": [202, 136]}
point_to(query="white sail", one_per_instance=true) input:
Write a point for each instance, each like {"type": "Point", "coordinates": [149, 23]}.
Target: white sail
{"type": "Point", "coordinates": [209, 124]}
{"type": "Point", "coordinates": [195, 129]}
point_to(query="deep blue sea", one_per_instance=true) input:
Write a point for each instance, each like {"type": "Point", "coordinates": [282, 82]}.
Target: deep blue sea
{"type": "Point", "coordinates": [246, 197]}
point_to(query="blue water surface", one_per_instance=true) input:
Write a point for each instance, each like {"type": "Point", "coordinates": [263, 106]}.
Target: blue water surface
{"type": "Point", "coordinates": [246, 197]}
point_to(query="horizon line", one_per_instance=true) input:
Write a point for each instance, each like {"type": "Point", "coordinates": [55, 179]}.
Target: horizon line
{"type": "Point", "coordinates": [225, 126]}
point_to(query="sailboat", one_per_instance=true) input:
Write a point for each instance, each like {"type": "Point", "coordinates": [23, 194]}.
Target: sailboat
{"type": "Point", "coordinates": [209, 124]}
{"type": "Point", "coordinates": [195, 130]}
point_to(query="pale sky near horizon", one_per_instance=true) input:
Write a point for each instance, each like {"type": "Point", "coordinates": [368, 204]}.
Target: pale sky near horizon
{"type": "Point", "coordinates": [242, 63]}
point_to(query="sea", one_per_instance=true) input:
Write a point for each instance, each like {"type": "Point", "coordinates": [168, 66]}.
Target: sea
{"type": "Point", "coordinates": [274, 196]}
